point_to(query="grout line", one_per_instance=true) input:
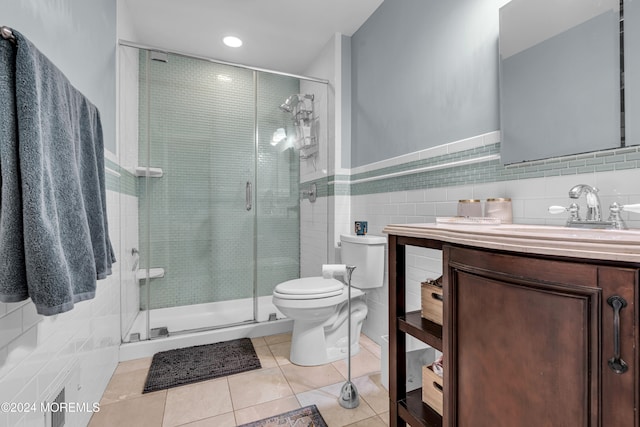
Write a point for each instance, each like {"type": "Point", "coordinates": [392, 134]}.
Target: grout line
{"type": "Point", "coordinates": [164, 407]}
{"type": "Point", "coordinates": [283, 373]}
{"type": "Point", "coordinates": [233, 408]}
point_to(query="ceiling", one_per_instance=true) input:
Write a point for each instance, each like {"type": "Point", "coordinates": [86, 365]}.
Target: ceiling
{"type": "Point", "coordinates": [280, 35]}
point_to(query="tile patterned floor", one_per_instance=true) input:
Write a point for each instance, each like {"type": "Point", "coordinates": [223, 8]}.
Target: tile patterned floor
{"type": "Point", "coordinates": [277, 387]}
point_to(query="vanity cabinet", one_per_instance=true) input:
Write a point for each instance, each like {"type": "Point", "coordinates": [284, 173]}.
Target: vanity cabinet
{"type": "Point", "coordinates": [528, 338]}
{"type": "Point", "coordinates": [532, 337]}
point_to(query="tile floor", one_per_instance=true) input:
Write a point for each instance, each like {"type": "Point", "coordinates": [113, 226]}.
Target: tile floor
{"type": "Point", "coordinates": [277, 387]}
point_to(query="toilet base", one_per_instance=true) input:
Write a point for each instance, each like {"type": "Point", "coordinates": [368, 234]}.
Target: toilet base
{"type": "Point", "coordinates": [315, 343]}
{"type": "Point", "coordinates": [309, 348]}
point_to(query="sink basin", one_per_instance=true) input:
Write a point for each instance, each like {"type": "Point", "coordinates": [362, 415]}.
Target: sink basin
{"type": "Point", "coordinates": [561, 232]}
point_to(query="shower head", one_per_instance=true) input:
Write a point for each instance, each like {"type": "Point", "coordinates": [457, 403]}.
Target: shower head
{"type": "Point", "coordinates": [285, 107]}
{"type": "Point", "coordinates": [296, 106]}
{"type": "Point", "coordinates": [290, 103]}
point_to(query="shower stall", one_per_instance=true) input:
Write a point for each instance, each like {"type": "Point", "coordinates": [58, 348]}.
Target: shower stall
{"type": "Point", "coordinates": [211, 168]}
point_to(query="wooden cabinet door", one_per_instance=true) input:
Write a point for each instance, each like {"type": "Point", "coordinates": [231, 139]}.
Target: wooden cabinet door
{"type": "Point", "coordinates": [521, 347]}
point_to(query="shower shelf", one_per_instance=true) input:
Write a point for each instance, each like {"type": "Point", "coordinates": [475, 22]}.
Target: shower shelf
{"type": "Point", "coordinates": [150, 172]}
{"type": "Point", "coordinates": [154, 273]}
{"type": "Point", "coordinates": [308, 151]}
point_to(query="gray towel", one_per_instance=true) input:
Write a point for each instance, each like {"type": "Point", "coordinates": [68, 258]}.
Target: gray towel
{"type": "Point", "coordinates": [13, 283]}
{"type": "Point", "coordinates": [54, 241]}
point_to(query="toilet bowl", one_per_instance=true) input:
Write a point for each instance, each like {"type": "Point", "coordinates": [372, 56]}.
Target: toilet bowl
{"type": "Point", "coordinates": [318, 306]}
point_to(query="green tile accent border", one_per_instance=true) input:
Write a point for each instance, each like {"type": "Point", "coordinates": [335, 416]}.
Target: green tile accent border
{"type": "Point", "coordinates": [480, 172]}
{"type": "Point", "coordinates": [112, 182]}
{"type": "Point", "coordinates": [492, 171]}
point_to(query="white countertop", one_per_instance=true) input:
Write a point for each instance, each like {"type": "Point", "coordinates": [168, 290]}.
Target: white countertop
{"type": "Point", "coordinates": [611, 245]}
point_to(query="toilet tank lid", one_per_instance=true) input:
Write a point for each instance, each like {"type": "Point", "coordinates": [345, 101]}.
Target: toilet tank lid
{"type": "Point", "coordinates": [363, 240]}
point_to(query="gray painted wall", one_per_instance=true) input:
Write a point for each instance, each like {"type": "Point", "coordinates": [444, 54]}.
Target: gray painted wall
{"type": "Point", "coordinates": [79, 37]}
{"type": "Point", "coordinates": [424, 73]}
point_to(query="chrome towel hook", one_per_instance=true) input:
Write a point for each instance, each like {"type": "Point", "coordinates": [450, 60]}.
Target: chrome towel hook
{"type": "Point", "coordinates": [7, 34]}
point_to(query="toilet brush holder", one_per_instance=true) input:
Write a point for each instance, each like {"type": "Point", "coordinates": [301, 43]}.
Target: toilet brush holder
{"type": "Point", "coordinates": [349, 397]}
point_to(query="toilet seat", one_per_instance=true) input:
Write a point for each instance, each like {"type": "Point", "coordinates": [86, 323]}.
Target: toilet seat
{"type": "Point", "coordinates": [309, 288]}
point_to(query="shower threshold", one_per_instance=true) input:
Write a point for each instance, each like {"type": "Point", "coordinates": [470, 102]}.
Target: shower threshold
{"type": "Point", "coordinates": [201, 324]}
{"type": "Point", "coordinates": [213, 328]}
{"type": "Point", "coordinates": [161, 332]}
{"type": "Point", "coordinates": [147, 348]}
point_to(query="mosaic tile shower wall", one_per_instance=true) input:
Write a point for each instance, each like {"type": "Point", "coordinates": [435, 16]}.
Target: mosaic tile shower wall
{"type": "Point", "coordinates": [198, 124]}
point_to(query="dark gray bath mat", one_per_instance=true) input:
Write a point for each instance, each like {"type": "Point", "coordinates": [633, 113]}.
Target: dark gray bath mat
{"type": "Point", "coordinates": [303, 417]}
{"type": "Point", "coordinates": [188, 365]}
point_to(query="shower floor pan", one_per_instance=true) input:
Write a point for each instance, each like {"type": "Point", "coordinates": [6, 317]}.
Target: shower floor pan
{"type": "Point", "coordinates": [200, 324]}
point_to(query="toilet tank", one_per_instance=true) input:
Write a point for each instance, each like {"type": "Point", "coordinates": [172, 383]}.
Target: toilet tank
{"type": "Point", "coordinates": [366, 253]}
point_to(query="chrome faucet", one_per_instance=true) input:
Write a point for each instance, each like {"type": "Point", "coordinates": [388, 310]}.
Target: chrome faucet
{"type": "Point", "coordinates": [593, 201]}
{"type": "Point", "coordinates": [594, 212]}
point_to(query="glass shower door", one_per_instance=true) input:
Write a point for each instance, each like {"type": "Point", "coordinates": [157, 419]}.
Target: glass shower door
{"type": "Point", "coordinates": [197, 220]}
{"type": "Point", "coordinates": [213, 170]}
{"type": "Point", "coordinates": [277, 195]}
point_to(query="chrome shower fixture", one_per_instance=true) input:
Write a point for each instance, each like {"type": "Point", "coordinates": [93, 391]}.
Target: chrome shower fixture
{"type": "Point", "coordinates": [304, 136]}
{"type": "Point", "coordinates": [291, 102]}
{"type": "Point", "coordinates": [287, 107]}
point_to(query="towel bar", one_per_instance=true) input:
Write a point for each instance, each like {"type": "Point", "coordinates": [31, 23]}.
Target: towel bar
{"type": "Point", "coordinates": [7, 34]}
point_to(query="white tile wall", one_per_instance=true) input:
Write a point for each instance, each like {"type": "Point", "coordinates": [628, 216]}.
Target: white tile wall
{"type": "Point", "coordinates": [78, 349]}
{"type": "Point", "coordinates": [314, 224]}
{"type": "Point", "coordinates": [130, 240]}
{"type": "Point", "coordinates": [530, 200]}
{"type": "Point", "coordinates": [342, 225]}
{"type": "Point", "coordinates": [313, 236]}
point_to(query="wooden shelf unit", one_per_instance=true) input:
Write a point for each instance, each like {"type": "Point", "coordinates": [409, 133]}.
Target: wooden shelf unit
{"type": "Point", "coordinates": [407, 407]}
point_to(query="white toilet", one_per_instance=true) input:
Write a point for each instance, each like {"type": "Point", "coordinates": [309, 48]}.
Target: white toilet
{"type": "Point", "coordinates": [318, 306]}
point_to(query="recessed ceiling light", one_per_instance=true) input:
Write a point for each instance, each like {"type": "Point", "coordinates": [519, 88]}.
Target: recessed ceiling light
{"type": "Point", "coordinates": [232, 41]}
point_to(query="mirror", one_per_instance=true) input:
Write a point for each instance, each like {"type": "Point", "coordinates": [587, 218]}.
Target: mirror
{"type": "Point", "coordinates": [559, 78]}
{"type": "Point", "coordinates": [632, 72]}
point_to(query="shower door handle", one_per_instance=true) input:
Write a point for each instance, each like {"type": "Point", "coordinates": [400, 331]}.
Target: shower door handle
{"type": "Point", "coordinates": [248, 196]}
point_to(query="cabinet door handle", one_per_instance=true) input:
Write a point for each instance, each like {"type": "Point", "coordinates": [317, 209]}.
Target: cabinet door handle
{"type": "Point", "coordinates": [616, 363]}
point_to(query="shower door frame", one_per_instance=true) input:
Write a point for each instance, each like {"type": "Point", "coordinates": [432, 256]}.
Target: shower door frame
{"type": "Point", "coordinates": [241, 138]}
{"type": "Point", "coordinates": [256, 142]}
